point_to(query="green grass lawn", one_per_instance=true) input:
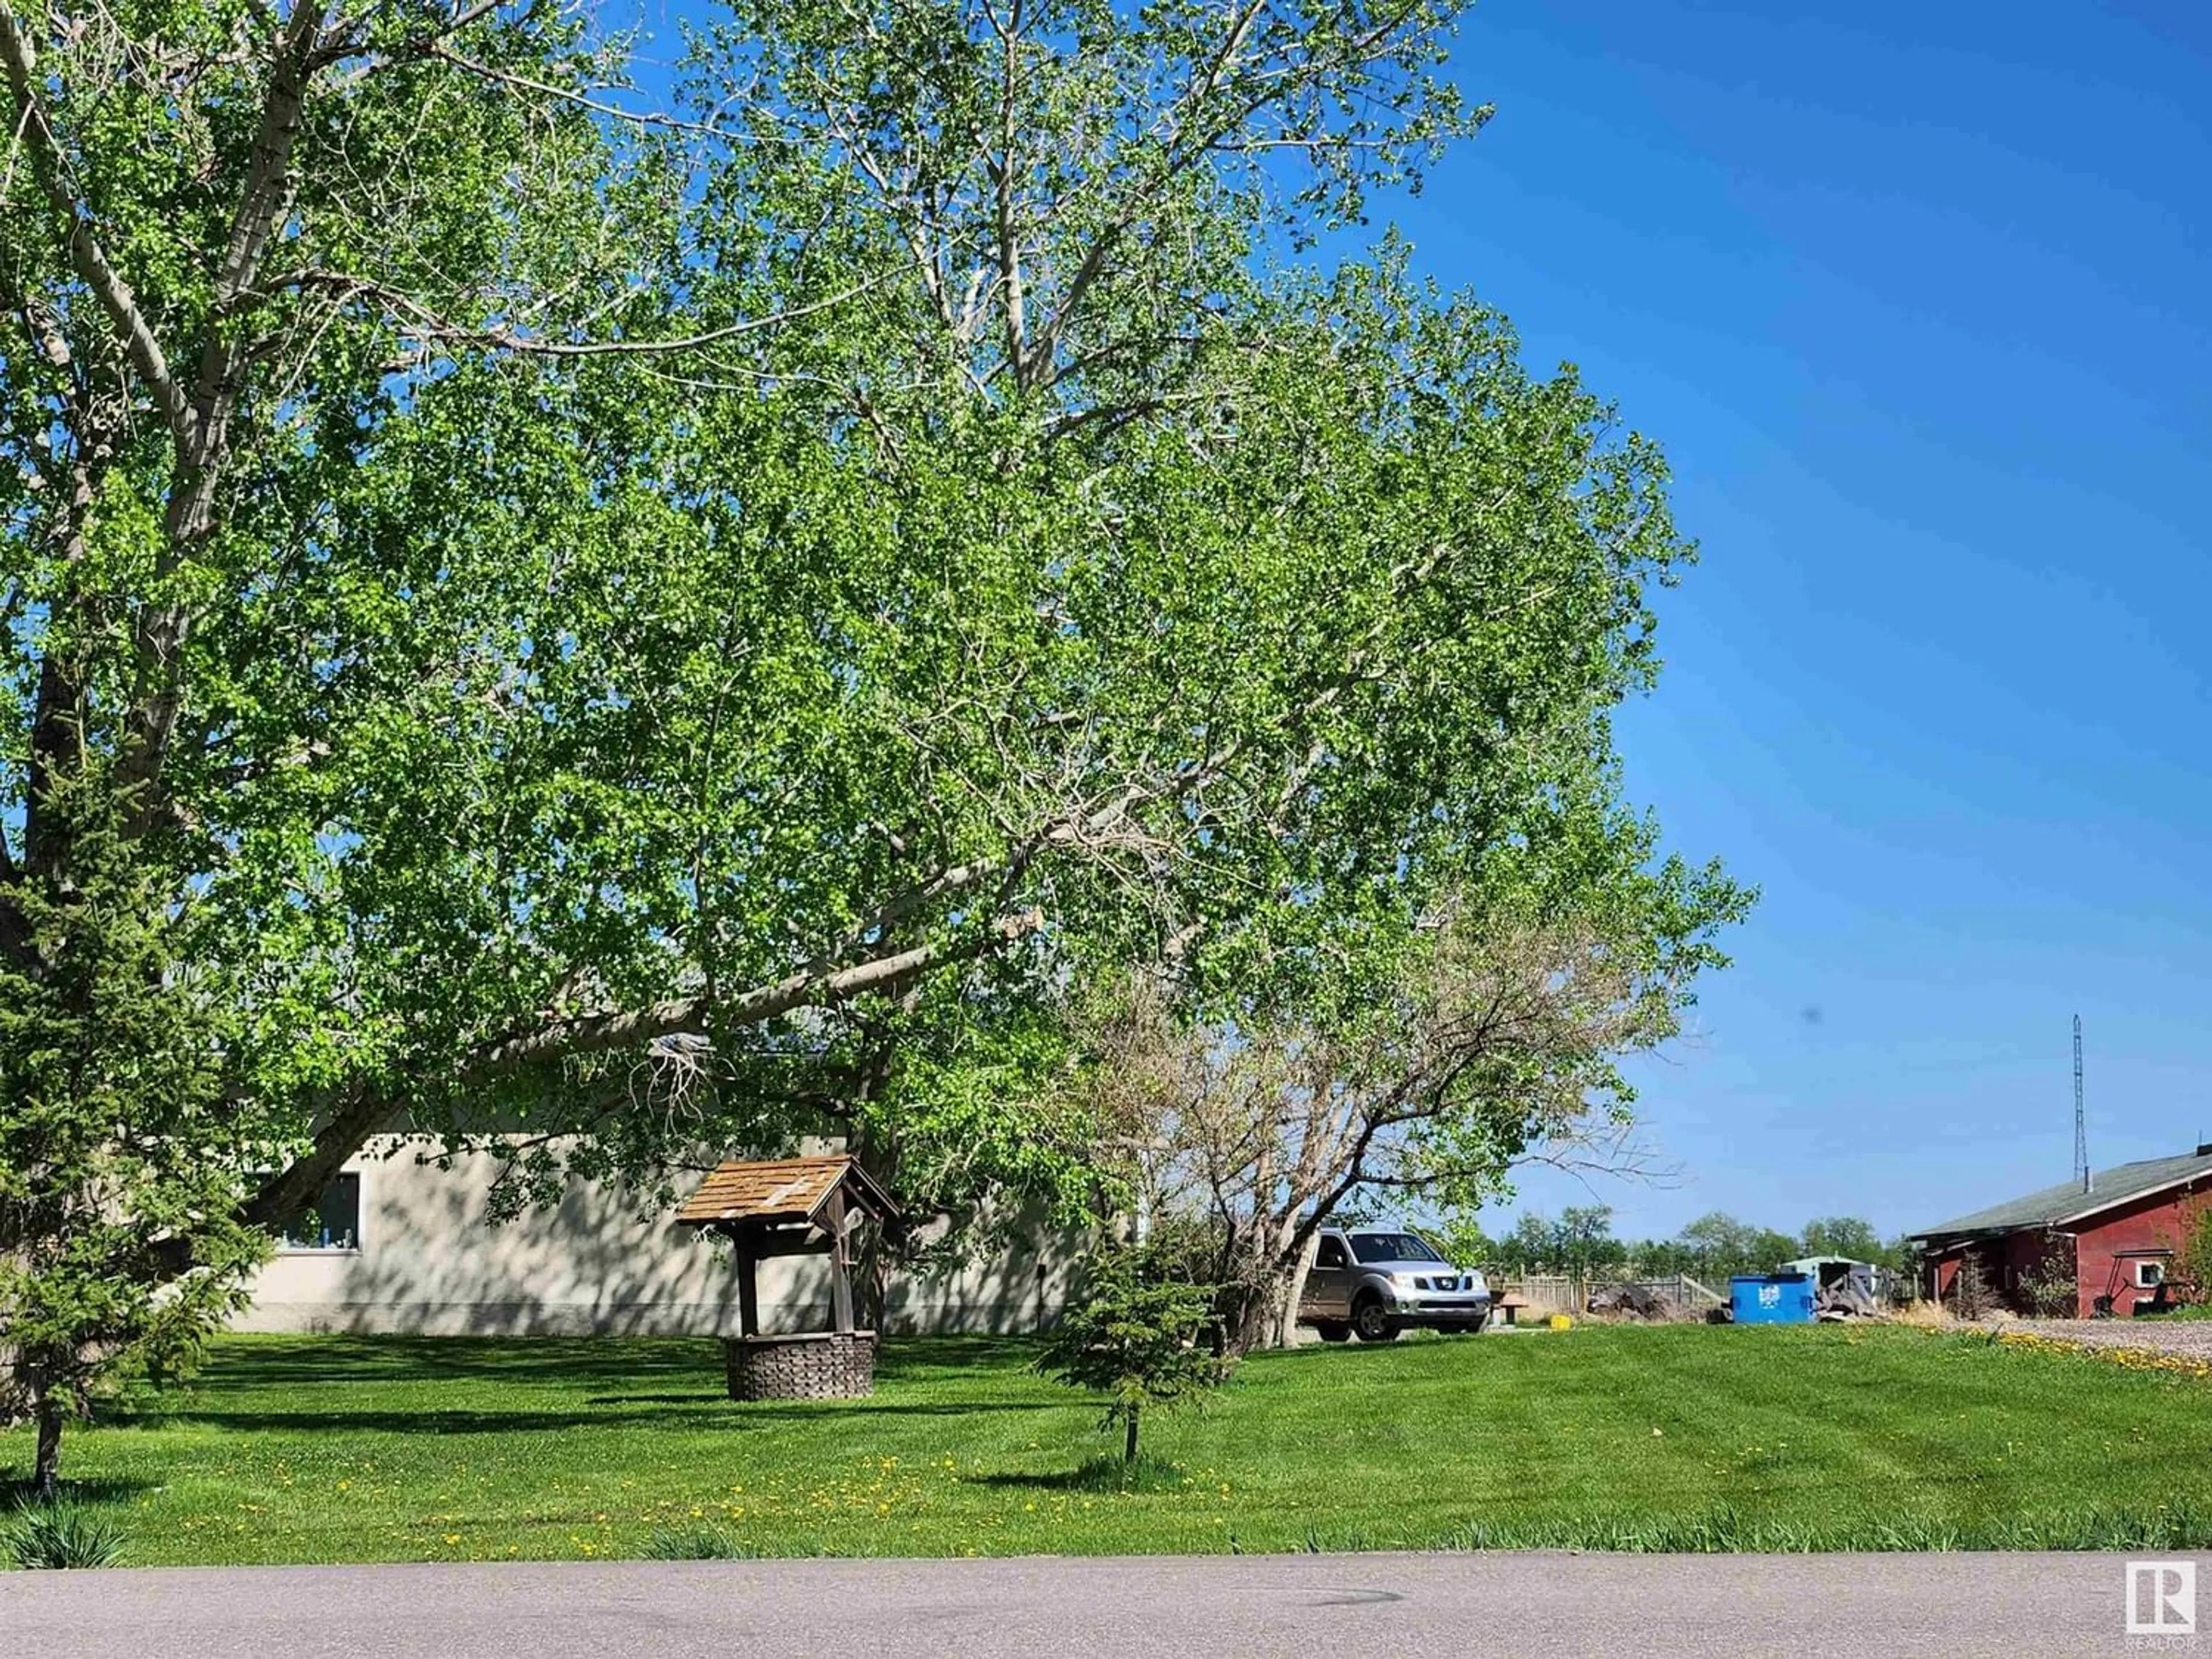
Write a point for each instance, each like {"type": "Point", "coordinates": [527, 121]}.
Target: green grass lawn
{"type": "Point", "coordinates": [329, 1448]}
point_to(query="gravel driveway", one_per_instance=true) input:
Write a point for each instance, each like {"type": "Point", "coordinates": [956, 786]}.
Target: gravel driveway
{"type": "Point", "coordinates": [2193, 1337]}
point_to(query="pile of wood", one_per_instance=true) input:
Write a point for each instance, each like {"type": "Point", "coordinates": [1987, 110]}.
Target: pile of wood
{"type": "Point", "coordinates": [1848, 1297]}
{"type": "Point", "coordinates": [1636, 1301]}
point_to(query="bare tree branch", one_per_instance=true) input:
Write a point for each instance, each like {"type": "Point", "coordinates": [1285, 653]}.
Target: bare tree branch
{"type": "Point", "coordinates": [569, 96]}
{"type": "Point", "coordinates": [425, 323]}
{"type": "Point", "coordinates": [562, 1037]}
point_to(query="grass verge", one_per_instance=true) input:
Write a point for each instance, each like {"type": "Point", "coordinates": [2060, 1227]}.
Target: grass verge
{"type": "Point", "coordinates": [1633, 1438]}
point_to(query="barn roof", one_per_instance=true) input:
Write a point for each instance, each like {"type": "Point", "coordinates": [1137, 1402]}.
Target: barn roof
{"type": "Point", "coordinates": [782, 1189]}
{"type": "Point", "coordinates": [2056, 1205]}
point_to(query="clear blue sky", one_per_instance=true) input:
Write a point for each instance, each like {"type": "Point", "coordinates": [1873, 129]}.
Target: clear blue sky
{"type": "Point", "coordinates": [1919, 299]}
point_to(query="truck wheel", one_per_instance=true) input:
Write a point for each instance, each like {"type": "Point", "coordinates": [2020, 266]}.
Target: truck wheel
{"type": "Point", "coordinates": [1371, 1321]}
{"type": "Point", "coordinates": [1334, 1330]}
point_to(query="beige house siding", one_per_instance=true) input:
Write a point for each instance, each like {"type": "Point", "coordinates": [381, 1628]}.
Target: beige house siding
{"type": "Point", "coordinates": [428, 1263]}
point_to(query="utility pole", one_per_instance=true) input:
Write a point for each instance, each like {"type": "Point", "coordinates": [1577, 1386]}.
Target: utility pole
{"type": "Point", "coordinates": [2081, 1126]}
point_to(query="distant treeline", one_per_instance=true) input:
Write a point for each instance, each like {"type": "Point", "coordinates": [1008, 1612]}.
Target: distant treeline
{"type": "Point", "coordinates": [1580, 1241]}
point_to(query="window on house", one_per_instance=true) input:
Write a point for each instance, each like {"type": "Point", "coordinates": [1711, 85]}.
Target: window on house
{"type": "Point", "coordinates": [332, 1222]}
{"type": "Point", "coordinates": [2149, 1275]}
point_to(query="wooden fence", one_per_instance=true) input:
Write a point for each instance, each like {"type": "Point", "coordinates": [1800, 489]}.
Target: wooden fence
{"type": "Point", "coordinates": [1571, 1294]}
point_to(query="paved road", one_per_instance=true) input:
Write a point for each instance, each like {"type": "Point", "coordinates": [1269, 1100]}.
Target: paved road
{"type": "Point", "coordinates": [1605, 1606]}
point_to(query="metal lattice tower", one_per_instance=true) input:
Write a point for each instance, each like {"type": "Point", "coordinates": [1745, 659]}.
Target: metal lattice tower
{"type": "Point", "coordinates": [2081, 1126]}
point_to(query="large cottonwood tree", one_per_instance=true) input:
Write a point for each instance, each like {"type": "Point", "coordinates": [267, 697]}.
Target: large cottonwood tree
{"type": "Point", "coordinates": [700, 622]}
{"type": "Point", "coordinates": [450, 579]}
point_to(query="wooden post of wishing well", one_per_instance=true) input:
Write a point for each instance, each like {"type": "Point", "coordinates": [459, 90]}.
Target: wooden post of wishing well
{"type": "Point", "coordinates": [841, 1254]}
{"type": "Point", "coordinates": [748, 1291]}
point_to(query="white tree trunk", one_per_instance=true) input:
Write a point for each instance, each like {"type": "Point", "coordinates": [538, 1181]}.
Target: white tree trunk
{"type": "Point", "coordinates": [1286, 1317]}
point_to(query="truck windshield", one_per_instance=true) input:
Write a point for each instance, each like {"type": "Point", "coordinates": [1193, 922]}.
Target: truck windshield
{"type": "Point", "coordinates": [1391, 1246]}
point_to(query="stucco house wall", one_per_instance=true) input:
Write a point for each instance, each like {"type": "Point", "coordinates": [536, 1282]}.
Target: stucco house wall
{"type": "Point", "coordinates": [426, 1262]}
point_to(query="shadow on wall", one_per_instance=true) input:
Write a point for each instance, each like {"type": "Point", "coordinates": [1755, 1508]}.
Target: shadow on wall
{"type": "Point", "coordinates": [1018, 1289]}
{"type": "Point", "coordinates": [428, 1262]}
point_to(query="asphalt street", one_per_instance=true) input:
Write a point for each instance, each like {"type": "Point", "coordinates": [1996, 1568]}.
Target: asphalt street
{"type": "Point", "coordinates": [1853, 1606]}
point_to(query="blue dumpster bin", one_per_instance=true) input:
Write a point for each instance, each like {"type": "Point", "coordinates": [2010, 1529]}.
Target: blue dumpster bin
{"type": "Point", "coordinates": [1771, 1298]}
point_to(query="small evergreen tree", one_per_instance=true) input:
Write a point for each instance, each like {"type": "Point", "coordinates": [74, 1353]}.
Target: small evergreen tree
{"type": "Point", "coordinates": [118, 1150]}
{"type": "Point", "coordinates": [1133, 1336]}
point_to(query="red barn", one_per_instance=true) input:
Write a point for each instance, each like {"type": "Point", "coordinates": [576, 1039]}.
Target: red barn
{"type": "Point", "coordinates": [2114, 1239]}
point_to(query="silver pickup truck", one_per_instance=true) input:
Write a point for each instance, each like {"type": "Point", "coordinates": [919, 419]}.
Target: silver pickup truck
{"type": "Point", "coordinates": [1374, 1282]}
